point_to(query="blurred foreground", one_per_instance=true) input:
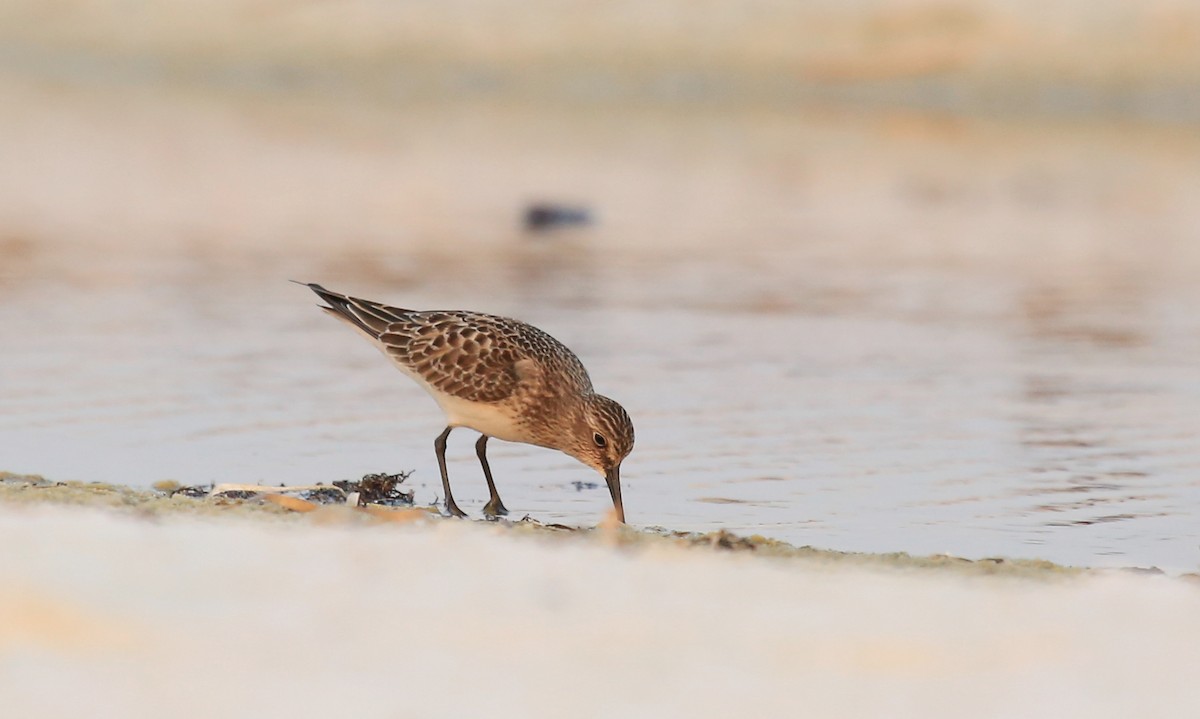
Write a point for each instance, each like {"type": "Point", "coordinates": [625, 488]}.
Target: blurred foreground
{"type": "Point", "coordinates": [111, 615]}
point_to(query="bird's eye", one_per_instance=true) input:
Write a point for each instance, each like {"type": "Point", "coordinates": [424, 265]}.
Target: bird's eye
{"type": "Point", "coordinates": [599, 440]}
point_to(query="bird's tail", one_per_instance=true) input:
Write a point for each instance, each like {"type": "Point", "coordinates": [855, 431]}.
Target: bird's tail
{"type": "Point", "coordinates": [372, 318]}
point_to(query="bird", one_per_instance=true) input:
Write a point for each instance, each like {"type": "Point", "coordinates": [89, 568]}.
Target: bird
{"type": "Point", "coordinates": [500, 377]}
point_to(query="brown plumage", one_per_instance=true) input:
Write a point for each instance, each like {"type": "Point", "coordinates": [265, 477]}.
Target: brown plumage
{"type": "Point", "coordinates": [502, 377]}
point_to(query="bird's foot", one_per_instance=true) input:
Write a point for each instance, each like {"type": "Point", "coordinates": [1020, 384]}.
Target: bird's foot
{"type": "Point", "coordinates": [494, 508]}
{"type": "Point", "coordinates": [453, 510]}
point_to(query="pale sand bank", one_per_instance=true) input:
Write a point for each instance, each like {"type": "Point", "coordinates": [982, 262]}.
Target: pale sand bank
{"type": "Point", "coordinates": [165, 503]}
{"type": "Point", "coordinates": [144, 613]}
{"type": "Point", "coordinates": [1060, 57]}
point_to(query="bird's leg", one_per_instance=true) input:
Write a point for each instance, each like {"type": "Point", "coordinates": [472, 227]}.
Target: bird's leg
{"type": "Point", "coordinates": [494, 507]}
{"type": "Point", "coordinates": [439, 445]}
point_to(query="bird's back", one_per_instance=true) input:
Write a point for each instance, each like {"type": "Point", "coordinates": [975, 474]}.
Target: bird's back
{"type": "Point", "coordinates": [467, 355]}
{"type": "Point", "coordinates": [480, 357]}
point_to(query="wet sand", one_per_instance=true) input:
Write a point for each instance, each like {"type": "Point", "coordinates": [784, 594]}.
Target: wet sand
{"type": "Point", "coordinates": [145, 606]}
{"type": "Point", "coordinates": [173, 501]}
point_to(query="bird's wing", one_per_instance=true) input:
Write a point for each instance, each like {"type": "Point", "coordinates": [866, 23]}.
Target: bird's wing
{"type": "Point", "coordinates": [470, 356]}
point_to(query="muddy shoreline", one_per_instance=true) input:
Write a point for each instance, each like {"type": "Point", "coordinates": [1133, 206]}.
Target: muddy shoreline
{"type": "Point", "coordinates": [169, 502]}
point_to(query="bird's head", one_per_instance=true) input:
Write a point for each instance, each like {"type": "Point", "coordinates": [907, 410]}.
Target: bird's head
{"type": "Point", "coordinates": [601, 438]}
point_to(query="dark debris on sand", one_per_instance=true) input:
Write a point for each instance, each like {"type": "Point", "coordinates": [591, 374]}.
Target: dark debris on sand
{"type": "Point", "coordinates": [190, 491]}
{"type": "Point", "coordinates": [325, 495]}
{"type": "Point", "coordinates": [236, 495]}
{"type": "Point", "coordinates": [378, 488]}
{"type": "Point", "coordinates": [381, 488]}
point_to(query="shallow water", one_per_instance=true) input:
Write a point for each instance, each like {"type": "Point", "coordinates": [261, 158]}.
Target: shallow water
{"type": "Point", "coordinates": [883, 332]}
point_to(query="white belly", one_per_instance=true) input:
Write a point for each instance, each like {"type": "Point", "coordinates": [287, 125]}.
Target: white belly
{"type": "Point", "coordinates": [485, 418]}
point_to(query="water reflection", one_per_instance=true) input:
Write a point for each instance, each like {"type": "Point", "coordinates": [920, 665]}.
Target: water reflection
{"type": "Point", "coordinates": [1091, 394]}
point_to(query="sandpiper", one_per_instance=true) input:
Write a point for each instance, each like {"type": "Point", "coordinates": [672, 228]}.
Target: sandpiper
{"type": "Point", "coordinates": [498, 376]}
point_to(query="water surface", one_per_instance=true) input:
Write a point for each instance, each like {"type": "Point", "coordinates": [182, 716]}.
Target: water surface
{"type": "Point", "coordinates": [885, 332]}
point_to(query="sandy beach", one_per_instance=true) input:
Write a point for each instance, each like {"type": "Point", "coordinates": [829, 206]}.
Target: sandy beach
{"type": "Point", "coordinates": [114, 609]}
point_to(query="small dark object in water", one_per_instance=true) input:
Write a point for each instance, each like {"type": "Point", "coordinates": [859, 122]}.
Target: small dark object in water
{"type": "Point", "coordinates": [379, 488]}
{"type": "Point", "coordinates": [580, 486]}
{"type": "Point", "coordinates": [193, 492]}
{"type": "Point", "coordinates": [543, 216]}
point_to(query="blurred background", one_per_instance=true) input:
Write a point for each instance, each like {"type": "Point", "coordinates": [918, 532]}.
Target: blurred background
{"type": "Point", "coordinates": [919, 275]}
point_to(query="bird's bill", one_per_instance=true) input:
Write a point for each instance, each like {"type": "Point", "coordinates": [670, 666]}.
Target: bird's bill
{"type": "Point", "coordinates": [613, 477]}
